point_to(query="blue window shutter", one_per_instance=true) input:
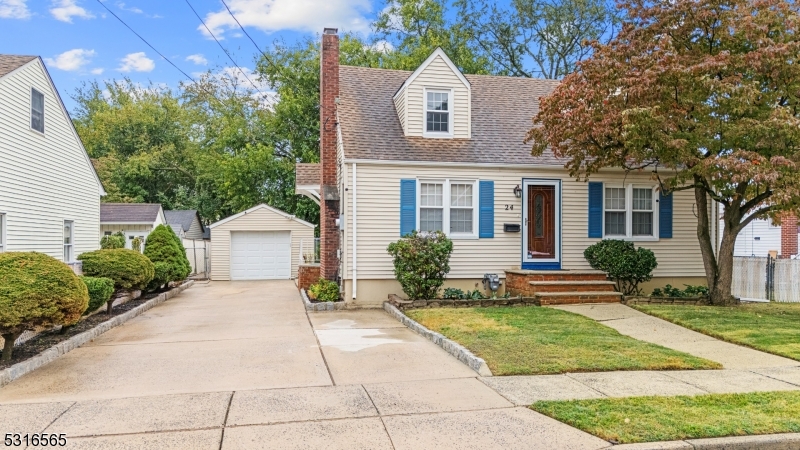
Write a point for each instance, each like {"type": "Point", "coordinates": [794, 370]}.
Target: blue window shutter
{"type": "Point", "coordinates": [665, 215]}
{"type": "Point", "coordinates": [486, 218]}
{"type": "Point", "coordinates": [595, 210]}
{"type": "Point", "coordinates": [408, 206]}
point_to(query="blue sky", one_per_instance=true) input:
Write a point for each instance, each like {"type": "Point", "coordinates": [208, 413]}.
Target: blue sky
{"type": "Point", "coordinates": [81, 42]}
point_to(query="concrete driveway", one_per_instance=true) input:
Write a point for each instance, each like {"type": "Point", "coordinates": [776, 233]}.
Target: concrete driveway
{"type": "Point", "coordinates": [240, 365]}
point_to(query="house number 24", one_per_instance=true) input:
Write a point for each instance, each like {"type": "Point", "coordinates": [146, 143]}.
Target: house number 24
{"type": "Point", "coordinates": [509, 207]}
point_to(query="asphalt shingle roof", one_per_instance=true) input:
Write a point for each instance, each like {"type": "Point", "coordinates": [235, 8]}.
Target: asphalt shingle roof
{"type": "Point", "coordinates": [307, 174]}
{"type": "Point", "coordinates": [129, 212]}
{"type": "Point", "coordinates": [9, 63]}
{"type": "Point", "coordinates": [502, 109]}
{"type": "Point", "coordinates": [184, 218]}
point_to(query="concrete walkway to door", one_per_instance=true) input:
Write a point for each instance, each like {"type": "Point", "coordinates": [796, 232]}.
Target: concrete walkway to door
{"type": "Point", "coordinates": [240, 365]}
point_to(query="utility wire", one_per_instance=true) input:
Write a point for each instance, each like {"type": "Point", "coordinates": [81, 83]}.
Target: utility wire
{"type": "Point", "coordinates": [269, 60]}
{"type": "Point", "coordinates": [145, 41]}
{"type": "Point", "coordinates": [223, 48]}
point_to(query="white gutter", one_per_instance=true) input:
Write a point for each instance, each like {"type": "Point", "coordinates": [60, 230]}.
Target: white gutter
{"type": "Point", "coordinates": [355, 235]}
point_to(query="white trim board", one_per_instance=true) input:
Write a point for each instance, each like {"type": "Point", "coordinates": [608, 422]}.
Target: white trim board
{"type": "Point", "coordinates": [256, 208]}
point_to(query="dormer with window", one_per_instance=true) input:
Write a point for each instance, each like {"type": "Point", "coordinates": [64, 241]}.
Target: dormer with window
{"type": "Point", "coordinates": [435, 101]}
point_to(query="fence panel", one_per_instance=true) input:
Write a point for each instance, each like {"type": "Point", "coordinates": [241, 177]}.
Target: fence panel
{"type": "Point", "coordinates": [750, 278]}
{"type": "Point", "coordinates": [199, 253]}
{"type": "Point", "coordinates": [786, 284]}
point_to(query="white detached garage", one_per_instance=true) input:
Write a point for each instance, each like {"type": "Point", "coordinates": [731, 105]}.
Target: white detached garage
{"type": "Point", "coordinates": [262, 243]}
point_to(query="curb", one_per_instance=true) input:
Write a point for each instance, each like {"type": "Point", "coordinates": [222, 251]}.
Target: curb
{"type": "Point", "coordinates": [321, 306]}
{"type": "Point", "coordinates": [22, 368]}
{"type": "Point", "coordinates": [788, 441]}
{"type": "Point", "coordinates": [454, 348]}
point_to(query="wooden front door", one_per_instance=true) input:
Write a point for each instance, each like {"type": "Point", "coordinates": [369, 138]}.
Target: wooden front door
{"type": "Point", "coordinates": [541, 222]}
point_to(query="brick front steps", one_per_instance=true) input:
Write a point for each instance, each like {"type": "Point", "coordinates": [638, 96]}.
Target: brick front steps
{"type": "Point", "coordinates": [560, 287]}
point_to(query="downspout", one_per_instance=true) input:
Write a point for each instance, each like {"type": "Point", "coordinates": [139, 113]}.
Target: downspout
{"type": "Point", "coordinates": [355, 234]}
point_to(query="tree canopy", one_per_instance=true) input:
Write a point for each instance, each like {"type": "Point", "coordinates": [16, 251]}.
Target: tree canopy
{"type": "Point", "coordinates": [705, 95]}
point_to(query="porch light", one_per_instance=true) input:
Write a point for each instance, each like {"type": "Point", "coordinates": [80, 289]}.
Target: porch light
{"type": "Point", "coordinates": [517, 191]}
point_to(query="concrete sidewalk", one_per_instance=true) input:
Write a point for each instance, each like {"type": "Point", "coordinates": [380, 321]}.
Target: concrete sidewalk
{"type": "Point", "coordinates": [241, 365]}
{"type": "Point", "coordinates": [643, 327]}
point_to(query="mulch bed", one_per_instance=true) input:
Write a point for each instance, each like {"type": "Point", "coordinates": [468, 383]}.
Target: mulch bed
{"type": "Point", "coordinates": [47, 339]}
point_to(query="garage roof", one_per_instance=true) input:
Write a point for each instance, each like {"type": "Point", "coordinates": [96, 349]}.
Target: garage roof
{"type": "Point", "coordinates": [262, 206]}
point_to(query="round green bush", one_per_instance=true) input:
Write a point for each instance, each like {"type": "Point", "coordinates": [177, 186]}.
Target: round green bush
{"type": "Point", "coordinates": [421, 263]}
{"type": "Point", "coordinates": [623, 262]}
{"type": "Point", "coordinates": [37, 290]}
{"type": "Point", "coordinates": [116, 240]}
{"type": "Point", "coordinates": [128, 269]}
{"type": "Point", "coordinates": [324, 291]}
{"type": "Point", "coordinates": [163, 246]}
{"type": "Point", "coordinates": [100, 290]}
{"type": "Point", "coordinates": [161, 277]}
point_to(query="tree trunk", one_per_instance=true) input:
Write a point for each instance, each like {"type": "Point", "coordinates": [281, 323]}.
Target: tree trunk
{"type": "Point", "coordinates": [109, 305]}
{"type": "Point", "coordinates": [8, 345]}
{"type": "Point", "coordinates": [718, 266]}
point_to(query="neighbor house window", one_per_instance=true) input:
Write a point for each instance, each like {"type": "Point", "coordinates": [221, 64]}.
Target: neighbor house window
{"type": "Point", "coordinates": [448, 206]}
{"type": "Point", "coordinates": [68, 241]}
{"type": "Point", "coordinates": [37, 110]}
{"type": "Point", "coordinates": [629, 212]}
{"type": "Point", "coordinates": [2, 233]}
{"type": "Point", "coordinates": [437, 112]}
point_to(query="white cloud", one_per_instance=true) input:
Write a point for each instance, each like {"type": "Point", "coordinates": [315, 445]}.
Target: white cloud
{"type": "Point", "coordinates": [198, 59]}
{"type": "Point", "coordinates": [65, 10]}
{"type": "Point", "coordinates": [136, 62]}
{"type": "Point", "coordinates": [14, 9]}
{"type": "Point", "coordinates": [298, 15]}
{"type": "Point", "coordinates": [132, 9]}
{"type": "Point", "coordinates": [97, 71]}
{"type": "Point", "coordinates": [71, 60]}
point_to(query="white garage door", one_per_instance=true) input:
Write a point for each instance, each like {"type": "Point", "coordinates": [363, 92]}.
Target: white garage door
{"type": "Point", "coordinates": [261, 255]}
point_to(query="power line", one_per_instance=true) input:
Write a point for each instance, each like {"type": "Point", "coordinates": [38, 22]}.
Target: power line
{"type": "Point", "coordinates": [145, 41]}
{"type": "Point", "coordinates": [248, 36]}
{"type": "Point", "coordinates": [223, 48]}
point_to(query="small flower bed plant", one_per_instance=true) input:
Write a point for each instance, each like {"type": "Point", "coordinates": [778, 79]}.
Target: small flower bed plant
{"type": "Point", "coordinates": [324, 291]}
{"type": "Point", "coordinates": [689, 291]}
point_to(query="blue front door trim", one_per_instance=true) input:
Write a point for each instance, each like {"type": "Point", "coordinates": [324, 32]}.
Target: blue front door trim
{"type": "Point", "coordinates": [541, 266]}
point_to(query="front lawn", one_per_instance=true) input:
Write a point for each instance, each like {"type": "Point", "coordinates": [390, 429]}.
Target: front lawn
{"type": "Point", "coordinates": [534, 340]}
{"type": "Point", "coordinates": [648, 419]}
{"type": "Point", "coordinates": [770, 327]}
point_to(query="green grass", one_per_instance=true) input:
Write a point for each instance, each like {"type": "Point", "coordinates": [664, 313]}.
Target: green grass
{"type": "Point", "coordinates": [770, 327]}
{"type": "Point", "coordinates": [648, 419]}
{"type": "Point", "coordinates": [534, 340]}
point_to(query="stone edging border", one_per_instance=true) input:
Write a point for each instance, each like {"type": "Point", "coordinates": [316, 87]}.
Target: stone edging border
{"type": "Point", "coordinates": [762, 442]}
{"type": "Point", "coordinates": [454, 348]}
{"type": "Point", "coordinates": [321, 306]}
{"type": "Point", "coordinates": [24, 367]}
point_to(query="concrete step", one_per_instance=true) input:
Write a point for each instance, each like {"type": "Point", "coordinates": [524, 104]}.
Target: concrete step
{"type": "Point", "coordinates": [573, 286]}
{"type": "Point", "coordinates": [565, 298]}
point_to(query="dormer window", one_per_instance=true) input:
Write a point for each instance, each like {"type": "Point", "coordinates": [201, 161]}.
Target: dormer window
{"type": "Point", "coordinates": [437, 112]}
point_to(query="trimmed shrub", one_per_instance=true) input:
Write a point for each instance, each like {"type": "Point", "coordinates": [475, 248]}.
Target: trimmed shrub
{"type": "Point", "coordinates": [421, 263]}
{"type": "Point", "coordinates": [163, 246]}
{"type": "Point", "coordinates": [324, 291]}
{"type": "Point", "coordinates": [112, 241]}
{"type": "Point", "coordinates": [36, 291]}
{"type": "Point", "coordinates": [161, 276]}
{"type": "Point", "coordinates": [130, 270]}
{"type": "Point", "coordinates": [689, 291]}
{"type": "Point", "coordinates": [625, 264]}
{"type": "Point", "coordinates": [100, 290]}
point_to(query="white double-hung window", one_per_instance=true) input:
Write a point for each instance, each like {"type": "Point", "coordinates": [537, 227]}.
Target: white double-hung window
{"type": "Point", "coordinates": [69, 253]}
{"type": "Point", "coordinates": [438, 112]}
{"type": "Point", "coordinates": [629, 212]}
{"type": "Point", "coordinates": [449, 206]}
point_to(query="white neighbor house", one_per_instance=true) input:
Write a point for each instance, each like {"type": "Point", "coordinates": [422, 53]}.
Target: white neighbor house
{"type": "Point", "coordinates": [49, 191]}
{"type": "Point", "coordinates": [132, 219]}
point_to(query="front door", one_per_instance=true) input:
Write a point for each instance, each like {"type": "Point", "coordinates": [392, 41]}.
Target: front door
{"type": "Point", "coordinates": [541, 224]}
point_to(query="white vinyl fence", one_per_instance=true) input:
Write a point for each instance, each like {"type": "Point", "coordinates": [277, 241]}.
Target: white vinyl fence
{"type": "Point", "coordinates": [199, 254]}
{"type": "Point", "coordinates": [766, 279]}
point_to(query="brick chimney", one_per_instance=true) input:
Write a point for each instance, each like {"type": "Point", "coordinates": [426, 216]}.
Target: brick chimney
{"type": "Point", "coordinates": [788, 235]}
{"type": "Point", "coordinates": [328, 123]}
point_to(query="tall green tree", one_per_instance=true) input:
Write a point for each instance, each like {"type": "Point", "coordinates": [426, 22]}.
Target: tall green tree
{"type": "Point", "coordinates": [705, 94]}
{"type": "Point", "coordinates": [536, 38]}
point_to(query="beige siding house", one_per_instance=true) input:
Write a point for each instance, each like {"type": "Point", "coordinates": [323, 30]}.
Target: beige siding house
{"type": "Point", "coordinates": [49, 191]}
{"type": "Point", "coordinates": [434, 149]}
{"type": "Point", "coordinates": [132, 219]}
{"type": "Point", "coordinates": [262, 243]}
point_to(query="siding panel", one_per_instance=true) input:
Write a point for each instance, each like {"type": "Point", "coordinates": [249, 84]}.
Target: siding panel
{"type": "Point", "coordinates": [379, 220]}
{"type": "Point", "coordinates": [44, 179]}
